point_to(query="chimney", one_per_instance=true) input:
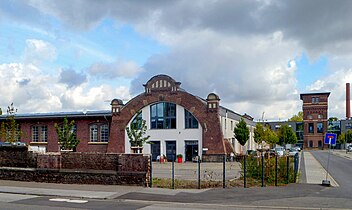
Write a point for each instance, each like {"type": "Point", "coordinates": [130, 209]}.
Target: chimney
{"type": "Point", "coordinates": [348, 101]}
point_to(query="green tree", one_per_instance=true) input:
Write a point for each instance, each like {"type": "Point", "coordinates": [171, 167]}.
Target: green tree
{"type": "Point", "coordinates": [286, 135]}
{"type": "Point", "coordinates": [341, 138]}
{"type": "Point", "coordinates": [259, 133]}
{"type": "Point", "coordinates": [136, 133]}
{"type": "Point", "coordinates": [297, 118]}
{"type": "Point", "coordinates": [348, 136]}
{"type": "Point", "coordinates": [10, 129]}
{"type": "Point", "coordinates": [270, 137]}
{"type": "Point", "coordinates": [66, 135]}
{"type": "Point", "coordinates": [241, 132]}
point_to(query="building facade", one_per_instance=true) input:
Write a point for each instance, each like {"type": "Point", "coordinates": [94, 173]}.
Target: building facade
{"type": "Point", "coordinates": [315, 118]}
{"type": "Point", "coordinates": [177, 123]}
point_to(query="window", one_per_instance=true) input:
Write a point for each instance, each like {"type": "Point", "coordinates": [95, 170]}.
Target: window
{"type": "Point", "coordinates": [136, 120]}
{"type": "Point", "coordinates": [320, 127]}
{"type": "Point", "coordinates": [99, 133]}
{"type": "Point", "coordinates": [310, 117]}
{"type": "Point", "coordinates": [104, 133]}
{"type": "Point", "coordinates": [44, 134]}
{"type": "Point", "coordinates": [93, 133]}
{"type": "Point", "coordinates": [311, 128]}
{"type": "Point", "coordinates": [315, 100]}
{"type": "Point", "coordinates": [35, 134]}
{"type": "Point", "coordinates": [163, 116]}
{"type": "Point", "coordinates": [73, 130]}
{"type": "Point", "coordinates": [320, 116]}
{"type": "Point", "coordinates": [190, 120]}
{"type": "Point", "coordinates": [39, 133]}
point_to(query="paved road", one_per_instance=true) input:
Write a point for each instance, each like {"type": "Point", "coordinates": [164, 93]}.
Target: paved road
{"type": "Point", "coordinates": [340, 168]}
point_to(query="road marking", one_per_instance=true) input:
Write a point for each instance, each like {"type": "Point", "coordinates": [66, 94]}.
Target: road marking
{"type": "Point", "coordinates": [67, 200]}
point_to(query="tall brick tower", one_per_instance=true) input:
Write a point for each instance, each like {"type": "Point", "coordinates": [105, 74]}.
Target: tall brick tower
{"type": "Point", "coordinates": [315, 115]}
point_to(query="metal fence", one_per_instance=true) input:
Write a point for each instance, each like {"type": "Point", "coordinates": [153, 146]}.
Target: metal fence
{"type": "Point", "coordinates": [247, 171]}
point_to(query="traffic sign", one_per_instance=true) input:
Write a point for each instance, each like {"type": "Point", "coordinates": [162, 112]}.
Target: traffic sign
{"type": "Point", "coordinates": [330, 138]}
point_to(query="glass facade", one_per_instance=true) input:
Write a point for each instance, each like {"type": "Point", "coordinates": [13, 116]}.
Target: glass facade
{"type": "Point", "coordinates": [163, 116]}
{"type": "Point", "coordinates": [190, 120]}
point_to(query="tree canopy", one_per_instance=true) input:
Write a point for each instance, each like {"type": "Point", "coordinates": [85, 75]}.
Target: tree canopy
{"type": "Point", "coordinates": [297, 117]}
{"type": "Point", "coordinates": [348, 136]}
{"type": "Point", "coordinates": [241, 132]}
{"type": "Point", "coordinates": [270, 137]}
{"type": "Point", "coordinates": [136, 133]}
{"type": "Point", "coordinates": [9, 129]}
{"type": "Point", "coordinates": [67, 135]}
{"type": "Point", "coordinates": [286, 135]}
{"type": "Point", "coordinates": [259, 133]}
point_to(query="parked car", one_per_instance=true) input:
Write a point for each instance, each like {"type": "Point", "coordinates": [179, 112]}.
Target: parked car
{"type": "Point", "coordinates": [5, 144]}
{"type": "Point", "coordinates": [292, 152]}
{"type": "Point", "coordinates": [297, 148]}
{"type": "Point", "coordinates": [279, 151]}
{"type": "Point", "coordinates": [349, 148]}
{"type": "Point", "coordinates": [252, 152]}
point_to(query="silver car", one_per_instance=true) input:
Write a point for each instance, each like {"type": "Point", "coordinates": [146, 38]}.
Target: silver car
{"type": "Point", "coordinates": [349, 148]}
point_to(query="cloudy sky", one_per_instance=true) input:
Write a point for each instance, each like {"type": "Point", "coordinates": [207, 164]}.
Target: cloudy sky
{"type": "Point", "coordinates": [259, 55]}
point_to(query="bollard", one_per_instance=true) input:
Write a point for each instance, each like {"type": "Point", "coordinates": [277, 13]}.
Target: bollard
{"type": "Point", "coordinates": [262, 170]}
{"type": "Point", "coordinates": [173, 171]}
{"type": "Point", "coordinates": [151, 172]}
{"type": "Point", "coordinates": [224, 172]}
{"type": "Point", "coordinates": [198, 172]}
{"type": "Point", "coordinates": [288, 169]}
{"type": "Point", "coordinates": [244, 171]}
{"type": "Point", "coordinates": [276, 170]}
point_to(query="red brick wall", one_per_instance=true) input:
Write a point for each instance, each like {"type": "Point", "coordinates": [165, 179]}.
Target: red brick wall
{"type": "Point", "coordinates": [52, 144]}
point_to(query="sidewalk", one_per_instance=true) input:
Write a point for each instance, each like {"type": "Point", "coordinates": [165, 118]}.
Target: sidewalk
{"type": "Point", "coordinates": [83, 191]}
{"type": "Point", "coordinates": [315, 173]}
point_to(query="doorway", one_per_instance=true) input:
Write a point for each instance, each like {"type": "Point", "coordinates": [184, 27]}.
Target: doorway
{"type": "Point", "coordinates": [170, 150]}
{"type": "Point", "coordinates": [191, 150]}
{"type": "Point", "coordinates": [155, 149]}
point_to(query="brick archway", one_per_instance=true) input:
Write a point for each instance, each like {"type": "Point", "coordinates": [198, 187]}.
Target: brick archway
{"type": "Point", "coordinates": [209, 120]}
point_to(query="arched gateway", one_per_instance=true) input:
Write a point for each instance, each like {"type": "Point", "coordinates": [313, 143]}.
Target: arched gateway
{"type": "Point", "coordinates": [178, 126]}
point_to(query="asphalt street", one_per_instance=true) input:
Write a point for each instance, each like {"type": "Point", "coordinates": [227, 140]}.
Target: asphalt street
{"type": "Point", "coordinates": [341, 169]}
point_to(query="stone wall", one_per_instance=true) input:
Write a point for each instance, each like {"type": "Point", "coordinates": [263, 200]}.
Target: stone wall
{"type": "Point", "coordinates": [11, 156]}
{"type": "Point", "coordinates": [74, 167]}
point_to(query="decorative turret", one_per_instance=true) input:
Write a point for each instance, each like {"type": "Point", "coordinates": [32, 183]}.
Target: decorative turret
{"type": "Point", "coordinates": [161, 83]}
{"type": "Point", "coordinates": [116, 106]}
{"type": "Point", "coordinates": [213, 102]}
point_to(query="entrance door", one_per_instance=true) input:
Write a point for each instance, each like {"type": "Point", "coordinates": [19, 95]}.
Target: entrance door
{"type": "Point", "coordinates": [191, 150]}
{"type": "Point", "coordinates": [155, 149]}
{"type": "Point", "coordinates": [170, 150]}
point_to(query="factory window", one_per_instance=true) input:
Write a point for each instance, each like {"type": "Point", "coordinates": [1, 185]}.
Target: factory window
{"type": "Point", "coordinates": [39, 133]}
{"type": "Point", "coordinates": [190, 120]}
{"type": "Point", "coordinates": [99, 132]}
{"type": "Point", "coordinates": [311, 128]}
{"type": "Point", "coordinates": [320, 127]}
{"type": "Point", "coordinates": [163, 116]}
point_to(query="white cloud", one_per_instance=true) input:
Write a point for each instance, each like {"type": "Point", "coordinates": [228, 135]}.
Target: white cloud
{"type": "Point", "coordinates": [93, 98]}
{"type": "Point", "coordinates": [39, 51]}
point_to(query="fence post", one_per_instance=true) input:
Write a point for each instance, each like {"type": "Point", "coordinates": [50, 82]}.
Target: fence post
{"type": "Point", "coordinates": [173, 171]}
{"type": "Point", "coordinates": [296, 166]}
{"type": "Point", "coordinates": [244, 171]}
{"type": "Point", "coordinates": [262, 169]}
{"type": "Point", "coordinates": [224, 172]}
{"type": "Point", "coordinates": [151, 172]}
{"type": "Point", "coordinates": [276, 169]}
{"type": "Point", "coordinates": [198, 172]}
{"type": "Point", "coordinates": [287, 169]}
